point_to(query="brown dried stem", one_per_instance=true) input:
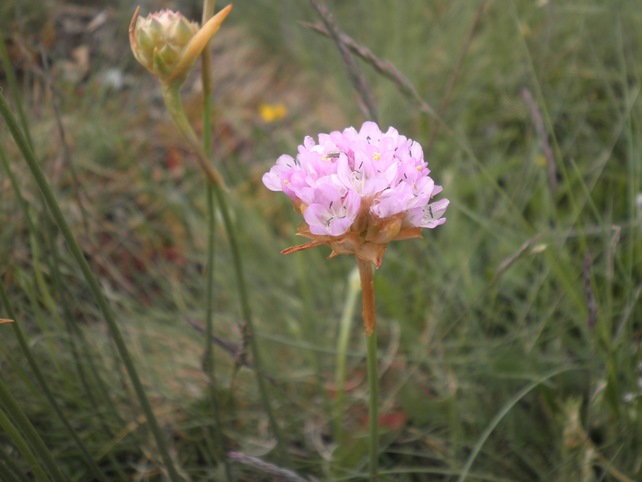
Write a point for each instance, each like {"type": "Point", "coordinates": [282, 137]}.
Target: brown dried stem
{"type": "Point", "coordinates": [384, 67]}
{"type": "Point", "coordinates": [368, 105]}
{"type": "Point", "coordinates": [542, 136]}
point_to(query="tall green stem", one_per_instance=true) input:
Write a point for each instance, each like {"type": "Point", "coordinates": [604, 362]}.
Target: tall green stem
{"type": "Point", "coordinates": [174, 106]}
{"type": "Point", "coordinates": [92, 282]}
{"type": "Point", "coordinates": [369, 322]}
{"type": "Point", "coordinates": [208, 356]}
{"type": "Point", "coordinates": [247, 313]}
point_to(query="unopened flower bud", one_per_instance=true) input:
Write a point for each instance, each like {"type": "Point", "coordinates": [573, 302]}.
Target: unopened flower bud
{"type": "Point", "coordinates": [167, 44]}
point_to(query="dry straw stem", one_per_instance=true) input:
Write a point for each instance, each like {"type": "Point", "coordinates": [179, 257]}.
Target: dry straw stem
{"type": "Point", "coordinates": [405, 86]}
{"type": "Point", "coordinates": [268, 468]}
{"type": "Point", "coordinates": [508, 262]}
{"type": "Point", "coordinates": [384, 67]}
{"type": "Point", "coordinates": [543, 139]}
{"type": "Point", "coordinates": [2, 321]}
{"type": "Point", "coordinates": [231, 348]}
{"type": "Point", "coordinates": [356, 77]}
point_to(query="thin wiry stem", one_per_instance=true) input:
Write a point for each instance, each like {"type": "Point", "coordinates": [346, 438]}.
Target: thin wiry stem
{"type": "Point", "coordinates": [384, 67]}
{"type": "Point", "coordinates": [247, 312]}
{"type": "Point", "coordinates": [175, 108]}
{"type": "Point", "coordinates": [542, 137]}
{"type": "Point", "coordinates": [208, 356]}
{"type": "Point", "coordinates": [268, 468]}
{"type": "Point", "coordinates": [357, 78]}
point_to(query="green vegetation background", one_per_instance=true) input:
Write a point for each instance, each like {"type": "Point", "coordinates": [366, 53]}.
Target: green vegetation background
{"type": "Point", "coordinates": [509, 337]}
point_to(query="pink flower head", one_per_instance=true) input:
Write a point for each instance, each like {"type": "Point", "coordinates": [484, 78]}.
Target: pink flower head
{"type": "Point", "coordinates": [357, 191]}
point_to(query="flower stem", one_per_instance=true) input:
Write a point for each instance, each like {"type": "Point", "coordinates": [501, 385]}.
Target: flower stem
{"type": "Point", "coordinates": [367, 295]}
{"type": "Point", "coordinates": [369, 322]}
{"type": "Point", "coordinates": [208, 356]}
{"type": "Point", "coordinates": [206, 81]}
{"type": "Point", "coordinates": [247, 315]}
{"type": "Point", "coordinates": [174, 106]}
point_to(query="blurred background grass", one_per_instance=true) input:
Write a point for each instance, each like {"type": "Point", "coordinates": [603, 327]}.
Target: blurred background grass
{"type": "Point", "coordinates": [495, 365]}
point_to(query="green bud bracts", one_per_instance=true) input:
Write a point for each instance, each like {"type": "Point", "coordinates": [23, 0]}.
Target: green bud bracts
{"type": "Point", "coordinates": [158, 42]}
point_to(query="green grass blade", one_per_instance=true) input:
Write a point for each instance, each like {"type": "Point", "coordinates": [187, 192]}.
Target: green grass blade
{"type": "Point", "coordinates": [508, 406]}
{"type": "Point", "coordinates": [23, 447]}
{"type": "Point", "coordinates": [45, 387]}
{"type": "Point", "coordinates": [91, 281]}
{"type": "Point", "coordinates": [345, 326]}
{"type": "Point", "coordinates": [13, 88]}
{"type": "Point", "coordinates": [23, 432]}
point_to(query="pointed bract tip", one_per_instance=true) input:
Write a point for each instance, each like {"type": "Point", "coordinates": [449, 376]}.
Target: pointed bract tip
{"type": "Point", "coordinates": [198, 42]}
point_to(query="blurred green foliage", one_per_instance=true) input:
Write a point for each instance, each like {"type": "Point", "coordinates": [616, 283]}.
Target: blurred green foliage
{"type": "Point", "coordinates": [487, 352]}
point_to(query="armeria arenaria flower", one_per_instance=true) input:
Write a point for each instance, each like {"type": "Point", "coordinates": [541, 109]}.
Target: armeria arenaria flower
{"type": "Point", "coordinates": [359, 190]}
{"type": "Point", "coordinates": [167, 44]}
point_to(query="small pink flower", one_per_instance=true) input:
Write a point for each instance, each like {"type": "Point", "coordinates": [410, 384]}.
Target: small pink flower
{"type": "Point", "coordinates": [333, 211]}
{"type": "Point", "coordinates": [359, 190]}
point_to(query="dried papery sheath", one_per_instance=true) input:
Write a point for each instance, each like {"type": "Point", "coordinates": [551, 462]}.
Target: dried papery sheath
{"type": "Point", "coordinates": [359, 190]}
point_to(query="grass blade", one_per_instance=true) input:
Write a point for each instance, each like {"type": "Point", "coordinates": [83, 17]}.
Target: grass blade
{"type": "Point", "coordinates": [91, 280]}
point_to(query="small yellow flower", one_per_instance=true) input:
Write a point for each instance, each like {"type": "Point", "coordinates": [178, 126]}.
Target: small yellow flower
{"type": "Point", "coordinates": [167, 44]}
{"type": "Point", "coordinates": [272, 112]}
{"type": "Point", "coordinates": [540, 160]}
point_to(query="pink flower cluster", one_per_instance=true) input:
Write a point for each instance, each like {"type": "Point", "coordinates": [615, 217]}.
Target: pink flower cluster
{"type": "Point", "coordinates": [369, 185]}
